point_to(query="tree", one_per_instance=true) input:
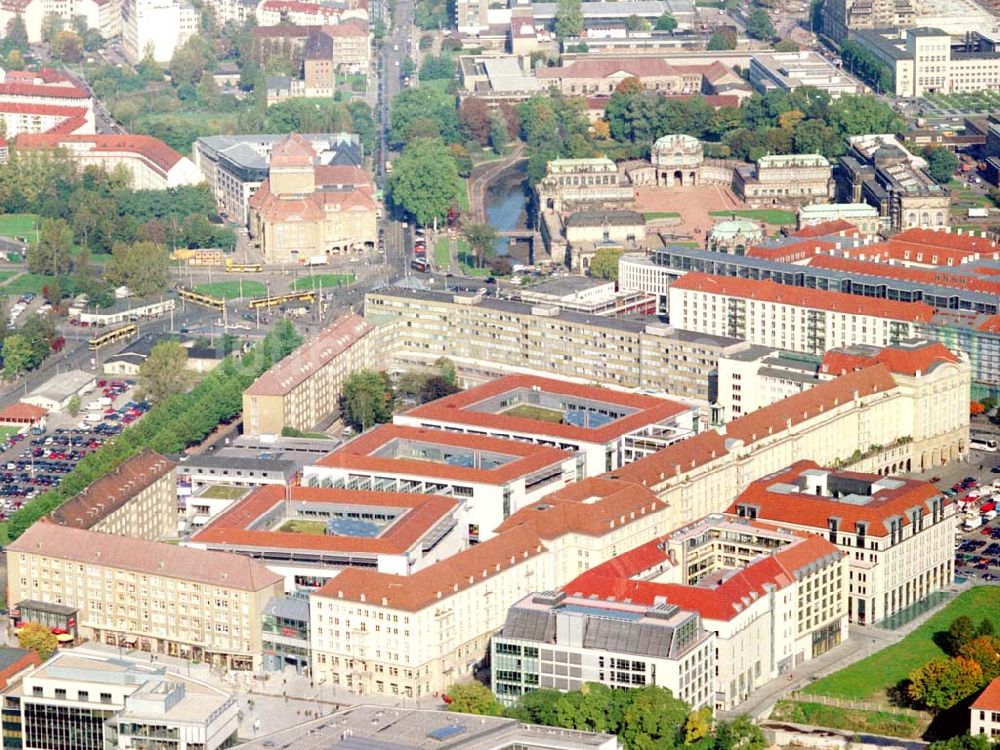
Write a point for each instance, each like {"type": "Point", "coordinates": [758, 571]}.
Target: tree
{"type": "Point", "coordinates": [16, 37]}
{"type": "Point", "coordinates": [759, 25]}
{"type": "Point", "coordinates": [739, 734]}
{"type": "Point", "coordinates": [73, 405]}
{"type": "Point", "coordinates": [985, 651]}
{"type": "Point", "coordinates": [941, 164]}
{"type": "Point", "coordinates": [963, 742]}
{"type": "Point", "coordinates": [604, 264]}
{"type": "Point", "coordinates": [722, 40]}
{"type": "Point", "coordinates": [366, 399]}
{"type": "Point", "coordinates": [475, 116]}
{"type": "Point", "coordinates": [473, 698]}
{"type": "Point", "coordinates": [785, 45]}
{"type": "Point", "coordinates": [986, 624]}
{"type": "Point", "coordinates": [16, 354]}
{"type": "Point", "coordinates": [698, 725]}
{"type": "Point", "coordinates": [191, 60]}
{"type": "Point", "coordinates": [144, 267]}
{"type": "Point", "coordinates": [446, 369]}
{"type": "Point", "coordinates": [52, 24]}
{"type": "Point", "coordinates": [422, 102]}
{"type": "Point", "coordinates": [435, 387]}
{"type": "Point", "coordinates": [164, 372]}
{"type": "Point", "coordinates": [437, 68]}
{"type": "Point", "coordinates": [425, 181]}
{"type": "Point", "coordinates": [68, 47]}
{"type": "Point", "coordinates": [498, 135]}
{"type": "Point", "coordinates": [960, 632]}
{"type": "Point", "coordinates": [636, 23]}
{"type": "Point", "coordinates": [942, 683]}
{"type": "Point", "coordinates": [856, 115]}
{"type": "Point", "coordinates": [666, 22]}
{"type": "Point", "coordinates": [51, 255]}
{"type": "Point", "coordinates": [569, 19]}
{"type": "Point", "coordinates": [482, 239]}
{"type": "Point", "coordinates": [37, 638]}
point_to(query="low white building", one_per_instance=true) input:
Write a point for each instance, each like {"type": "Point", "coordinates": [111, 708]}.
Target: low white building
{"type": "Point", "coordinates": [984, 713]}
{"type": "Point", "coordinates": [56, 393]}
{"type": "Point", "coordinates": [787, 71]}
{"type": "Point", "coordinates": [119, 704]}
{"type": "Point", "coordinates": [861, 215]}
{"type": "Point", "coordinates": [123, 311]}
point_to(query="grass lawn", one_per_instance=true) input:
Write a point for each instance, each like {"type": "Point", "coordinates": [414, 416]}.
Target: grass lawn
{"type": "Point", "coordinates": [325, 280]}
{"type": "Point", "coordinates": [890, 665]}
{"type": "Point", "coordinates": [767, 215]}
{"type": "Point", "coordinates": [7, 430]}
{"type": "Point", "coordinates": [18, 225]}
{"type": "Point", "coordinates": [224, 493]}
{"type": "Point", "coordinates": [528, 411]}
{"type": "Point", "coordinates": [467, 262]}
{"type": "Point", "coordinates": [5, 275]}
{"type": "Point", "coordinates": [25, 282]}
{"type": "Point", "coordinates": [653, 215]}
{"type": "Point", "coordinates": [299, 526]}
{"type": "Point", "coordinates": [231, 289]}
{"type": "Point", "coordinates": [442, 253]}
{"type": "Point", "coordinates": [876, 722]}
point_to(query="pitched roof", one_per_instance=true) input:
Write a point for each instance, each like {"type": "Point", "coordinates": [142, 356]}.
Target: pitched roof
{"type": "Point", "coordinates": [155, 558]}
{"type": "Point", "coordinates": [905, 360]}
{"type": "Point", "coordinates": [824, 228]}
{"type": "Point", "coordinates": [20, 412]}
{"type": "Point", "coordinates": [720, 600]}
{"type": "Point", "coordinates": [791, 252]}
{"type": "Point", "coordinates": [935, 276]}
{"type": "Point", "coordinates": [158, 153]}
{"type": "Point", "coordinates": [814, 511]}
{"type": "Point", "coordinates": [989, 699]}
{"type": "Point", "coordinates": [420, 513]}
{"type": "Point", "coordinates": [43, 91]}
{"type": "Point", "coordinates": [113, 491]}
{"type": "Point", "coordinates": [293, 151]}
{"type": "Point", "coordinates": [360, 454]}
{"type": "Point", "coordinates": [674, 460]}
{"type": "Point", "coordinates": [303, 363]}
{"type": "Point", "coordinates": [592, 507]}
{"type": "Point", "coordinates": [770, 291]}
{"type": "Point", "coordinates": [457, 408]}
{"type": "Point", "coordinates": [458, 572]}
{"type": "Point", "coordinates": [946, 239]}
{"type": "Point", "coordinates": [801, 407]}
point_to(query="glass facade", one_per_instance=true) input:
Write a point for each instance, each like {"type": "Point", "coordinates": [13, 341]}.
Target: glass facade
{"type": "Point", "coordinates": [64, 727]}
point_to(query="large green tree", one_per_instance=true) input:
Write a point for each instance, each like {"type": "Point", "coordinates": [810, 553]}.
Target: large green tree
{"type": "Point", "coordinates": [164, 372]}
{"type": "Point", "coordinates": [859, 114]}
{"type": "Point", "coordinates": [604, 264]}
{"type": "Point", "coordinates": [473, 698]}
{"type": "Point", "coordinates": [666, 22]}
{"type": "Point", "coordinates": [942, 683]}
{"type": "Point", "coordinates": [941, 164]}
{"type": "Point", "coordinates": [759, 25]}
{"type": "Point", "coordinates": [569, 18]}
{"type": "Point", "coordinates": [482, 239]}
{"type": "Point", "coordinates": [52, 254]}
{"type": "Point", "coordinates": [144, 267]}
{"type": "Point", "coordinates": [722, 40]}
{"type": "Point", "coordinates": [38, 638]}
{"type": "Point", "coordinates": [425, 181]}
{"type": "Point", "coordinates": [415, 107]}
{"type": "Point", "coordinates": [17, 354]}
{"type": "Point", "coordinates": [366, 399]}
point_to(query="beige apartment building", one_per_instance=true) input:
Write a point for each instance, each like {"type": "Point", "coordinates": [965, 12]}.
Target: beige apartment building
{"type": "Point", "coordinates": [487, 338]}
{"type": "Point", "coordinates": [146, 595]}
{"type": "Point", "coordinates": [138, 500]}
{"type": "Point", "coordinates": [303, 389]}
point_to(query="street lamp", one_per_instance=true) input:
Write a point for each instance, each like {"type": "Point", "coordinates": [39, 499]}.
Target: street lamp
{"type": "Point", "coordinates": [319, 699]}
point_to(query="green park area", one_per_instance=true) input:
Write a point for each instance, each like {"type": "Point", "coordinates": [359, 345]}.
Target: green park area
{"type": "Point", "coordinates": [877, 722]}
{"type": "Point", "coordinates": [21, 283]}
{"type": "Point", "coordinates": [528, 411]}
{"type": "Point", "coordinates": [232, 289]}
{"type": "Point", "coordinates": [767, 215]}
{"type": "Point", "coordinates": [872, 677]}
{"type": "Point", "coordinates": [442, 253]}
{"type": "Point", "coordinates": [322, 280]}
{"type": "Point", "coordinates": [654, 215]}
{"type": "Point", "coordinates": [300, 526]}
{"type": "Point", "coordinates": [7, 431]}
{"type": "Point", "coordinates": [18, 225]}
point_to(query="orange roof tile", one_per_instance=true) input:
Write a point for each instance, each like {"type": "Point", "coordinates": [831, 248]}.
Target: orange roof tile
{"type": "Point", "coordinates": [989, 699]}
{"type": "Point", "coordinates": [814, 511]}
{"type": "Point", "coordinates": [21, 412]}
{"type": "Point", "coordinates": [422, 513]}
{"type": "Point", "coordinates": [674, 460]}
{"type": "Point", "coordinates": [770, 291]}
{"type": "Point", "coordinates": [800, 407]}
{"type": "Point", "coordinates": [358, 454]}
{"type": "Point", "coordinates": [293, 151]}
{"type": "Point", "coordinates": [823, 228]}
{"type": "Point", "coordinates": [158, 153]}
{"type": "Point", "coordinates": [43, 91]}
{"type": "Point", "coordinates": [458, 572]}
{"type": "Point", "coordinates": [455, 408]}
{"type": "Point", "coordinates": [792, 251]}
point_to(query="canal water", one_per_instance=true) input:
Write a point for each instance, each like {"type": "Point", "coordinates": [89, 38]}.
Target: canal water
{"type": "Point", "coordinates": [507, 208]}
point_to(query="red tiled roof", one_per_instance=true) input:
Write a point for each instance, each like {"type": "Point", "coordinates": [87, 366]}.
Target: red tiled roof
{"type": "Point", "coordinates": [638, 67]}
{"type": "Point", "coordinates": [814, 511]}
{"type": "Point", "coordinates": [341, 174]}
{"type": "Point", "coordinates": [20, 412]}
{"type": "Point", "coordinates": [281, 30]}
{"type": "Point", "coordinates": [344, 29]}
{"type": "Point", "coordinates": [769, 291]}
{"type": "Point", "coordinates": [674, 460]}
{"type": "Point", "coordinates": [422, 513]}
{"type": "Point", "coordinates": [155, 558]}
{"type": "Point", "coordinates": [823, 228]}
{"type": "Point", "coordinates": [112, 491]}
{"type": "Point", "coordinates": [43, 91]}
{"type": "Point", "coordinates": [299, 7]}
{"type": "Point", "coordinates": [990, 325]}
{"type": "Point", "coordinates": [293, 151]}
{"type": "Point", "coordinates": [152, 149]}
{"type": "Point", "coordinates": [27, 108]}
{"type": "Point", "coordinates": [822, 397]}
{"type": "Point", "coordinates": [593, 507]}
{"type": "Point", "coordinates": [303, 363]}
{"type": "Point", "coordinates": [792, 251]}
{"type": "Point", "coordinates": [966, 242]}
{"type": "Point", "coordinates": [721, 601]}
{"type": "Point", "coordinates": [902, 360]}
{"type": "Point", "coordinates": [358, 455]}
{"type": "Point", "coordinates": [458, 572]}
{"type": "Point", "coordinates": [989, 699]}
{"type": "Point", "coordinates": [455, 408]}
{"type": "Point", "coordinates": [936, 276]}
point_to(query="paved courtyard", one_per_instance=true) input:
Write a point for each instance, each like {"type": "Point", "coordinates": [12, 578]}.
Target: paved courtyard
{"type": "Point", "coordinates": [692, 203]}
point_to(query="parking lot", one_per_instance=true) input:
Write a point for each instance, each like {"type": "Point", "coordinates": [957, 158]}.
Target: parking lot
{"type": "Point", "coordinates": [977, 553]}
{"type": "Point", "coordinates": [37, 461]}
